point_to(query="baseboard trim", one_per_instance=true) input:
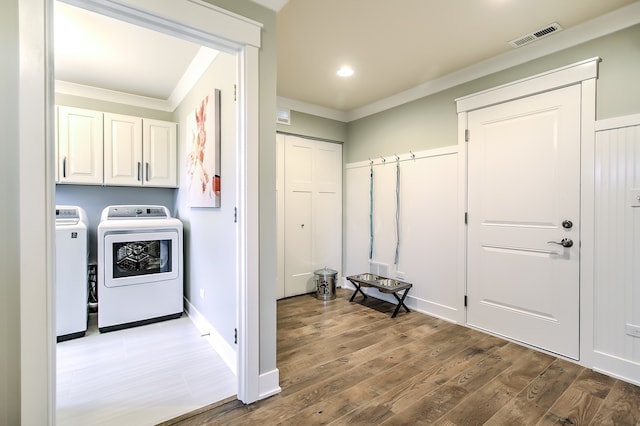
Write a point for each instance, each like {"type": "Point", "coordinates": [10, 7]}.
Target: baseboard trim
{"type": "Point", "coordinates": [208, 331]}
{"type": "Point", "coordinates": [269, 384]}
{"type": "Point", "coordinates": [617, 367]}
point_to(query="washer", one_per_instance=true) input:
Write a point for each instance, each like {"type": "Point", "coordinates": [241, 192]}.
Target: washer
{"type": "Point", "coordinates": [140, 266]}
{"type": "Point", "coordinates": [71, 256]}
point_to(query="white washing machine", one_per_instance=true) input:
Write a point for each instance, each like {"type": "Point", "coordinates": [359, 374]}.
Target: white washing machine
{"type": "Point", "coordinates": [71, 256]}
{"type": "Point", "coordinates": [140, 266]}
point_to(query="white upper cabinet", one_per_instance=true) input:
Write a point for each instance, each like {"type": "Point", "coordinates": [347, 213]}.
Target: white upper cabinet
{"type": "Point", "coordinates": [79, 146]}
{"type": "Point", "coordinates": [160, 153]}
{"type": "Point", "coordinates": [124, 151]}
{"type": "Point", "coordinates": [139, 151]}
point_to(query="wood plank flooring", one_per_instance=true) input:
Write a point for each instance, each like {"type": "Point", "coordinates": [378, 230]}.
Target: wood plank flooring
{"type": "Point", "coordinates": [350, 363]}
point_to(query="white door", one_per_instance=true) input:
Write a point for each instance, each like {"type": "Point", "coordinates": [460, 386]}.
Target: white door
{"type": "Point", "coordinates": [312, 213]}
{"type": "Point", "coordinates": [298, 265]}
{"type": "Point", "coordinates": [160, 153]}
{"type": "Point", "coordinates": [523, 198]}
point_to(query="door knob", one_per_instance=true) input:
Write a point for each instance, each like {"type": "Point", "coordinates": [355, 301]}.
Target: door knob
{"type": "Point", "coordinates": [565, 242]}
{"type": "Point", "coordinates": [567, 224]}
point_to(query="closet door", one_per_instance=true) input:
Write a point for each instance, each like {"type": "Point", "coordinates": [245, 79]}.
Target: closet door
{"type": "Point", "coordinates": [311, 212]}
{"type": "Point", "coordinates": [298, 169]}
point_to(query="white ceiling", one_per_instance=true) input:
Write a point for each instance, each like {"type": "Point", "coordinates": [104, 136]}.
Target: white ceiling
{"type": "Point", "coordinates": [394, 47]}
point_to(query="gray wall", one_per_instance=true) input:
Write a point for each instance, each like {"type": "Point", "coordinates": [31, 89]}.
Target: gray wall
{"type": "Point", "coordinates": [310, 125]}
{"type": "Point", "coordinates": [210, 233]}
{"type": "Point", "coordinates": [9, 219]}
{"type": "Point", "coordinates": [431, 122]}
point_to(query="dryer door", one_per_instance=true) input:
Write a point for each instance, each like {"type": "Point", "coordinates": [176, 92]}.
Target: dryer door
{"type": "Point", "coordinates": [140, 257]}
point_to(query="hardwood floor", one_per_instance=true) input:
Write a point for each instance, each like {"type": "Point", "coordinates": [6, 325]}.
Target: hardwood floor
{"type": "Point", "coordinates": [138, 376]}
{"type": "Point", "coordinates": [350, 363]}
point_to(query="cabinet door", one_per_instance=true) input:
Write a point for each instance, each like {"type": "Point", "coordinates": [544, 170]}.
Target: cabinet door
{"type": "Point", "coordinates": [79, 146]}
{"type": "Point", "coordinates": [160, 153]}
{"type": "Point", "coordinates": [122, 150]}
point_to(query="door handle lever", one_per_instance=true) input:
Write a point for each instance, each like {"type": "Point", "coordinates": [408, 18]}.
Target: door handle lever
{"type": "Point", "coordinates": [565, 242]}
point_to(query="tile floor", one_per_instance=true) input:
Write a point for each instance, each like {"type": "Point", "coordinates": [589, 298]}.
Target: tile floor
{"type": "Point", "coordinates": [138, 376]}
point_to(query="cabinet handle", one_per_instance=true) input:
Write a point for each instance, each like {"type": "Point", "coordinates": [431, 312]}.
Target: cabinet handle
{"type": "Point", "coordinates": [139, 170]}
{"type": "Point", "coordinates": [64, 167]}
{"type": "Point", "coordinates": [147, 171]}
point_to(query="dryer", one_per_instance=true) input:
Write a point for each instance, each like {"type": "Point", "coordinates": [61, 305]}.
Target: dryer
{"type": "Point", "coordinates": [140, 266]}
{"type": "Point", "coordinates": [71, 272]}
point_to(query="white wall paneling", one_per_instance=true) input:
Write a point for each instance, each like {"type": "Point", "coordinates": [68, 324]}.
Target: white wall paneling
{"type": "Point", "coordinates": [617, 248]}
{"type": "Point", "coordinates": [430, 230]}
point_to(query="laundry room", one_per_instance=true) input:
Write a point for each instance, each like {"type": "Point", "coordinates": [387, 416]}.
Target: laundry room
{"type": "Point", "coordinates": [146, 167]}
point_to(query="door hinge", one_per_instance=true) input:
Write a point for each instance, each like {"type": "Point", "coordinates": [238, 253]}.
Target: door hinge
{"type": "Point", "coordinates": [235, 92]}
{"type": "Point", "coordinates": [235, 215]}
{"type": "Point", "coordinates": [465, 300]}
{"type": "Point", "coordinates": [466, 218]}
{"type": "Point", "coordinates": [235, 336]}
{"type": "Point", "coordinates": [466, 135]}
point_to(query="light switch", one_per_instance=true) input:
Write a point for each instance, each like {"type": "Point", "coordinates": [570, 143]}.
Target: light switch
{"type": "Point", "coordinates": [634, 197]}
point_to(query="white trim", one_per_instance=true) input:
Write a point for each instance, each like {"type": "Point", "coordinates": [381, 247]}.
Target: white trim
{"type": "Point", "coordinates": [606, 24]}
{"type": "Point", "coordinates": [248, 217]}
{"type": "Point", "coordinates": [36, 208]}
{"type": "Point", "coordinates": [618, 122]}
{"type": "Point", "coordinates": [269, 384]}
{"type": "Point", "coordinates": [274, 5]}
{"type": "Point", "coordinates": [538, 83]}
{"type": "Point", "coordinates": [215, 339]}
{"type": "Point", "coordinates": [587, 220]}
{"type": "Point", "coordinates": [617, 367]}
{"type": "Point", "coordinates": [435, 152]}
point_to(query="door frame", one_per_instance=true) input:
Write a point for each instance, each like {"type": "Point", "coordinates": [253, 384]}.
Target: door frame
{"type": "Point", "coordinates": [584, 73]}
{"type": "Point", "coordinates": [193, 19]}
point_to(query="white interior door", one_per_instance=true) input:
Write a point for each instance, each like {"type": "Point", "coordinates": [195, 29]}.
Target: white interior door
{"type": "Point", "coordinates": [297, 216]}
{"type": "Point", "coordinates": [310, 211]}
{"type": "Point", "coordinates": [523, 192]}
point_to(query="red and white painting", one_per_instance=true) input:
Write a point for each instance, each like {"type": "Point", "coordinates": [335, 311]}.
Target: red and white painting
{"type": "Point", "coordinates": [203, 156]}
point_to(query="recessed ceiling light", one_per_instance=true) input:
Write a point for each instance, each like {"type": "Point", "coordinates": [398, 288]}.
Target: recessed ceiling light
{"type": "Point", "coordinates": [345, 71]}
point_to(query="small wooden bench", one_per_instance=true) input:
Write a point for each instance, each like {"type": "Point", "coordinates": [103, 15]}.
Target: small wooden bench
{"type": "Point", "coordinates": [384, 285]}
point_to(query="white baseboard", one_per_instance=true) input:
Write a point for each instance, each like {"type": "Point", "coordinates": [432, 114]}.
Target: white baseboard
{"type": "Point", "coordinates": [617, 367]}
{"type": "Point", "coordinates": [227, 352]}
{"type": "Point", "coordinates": [269, 384]}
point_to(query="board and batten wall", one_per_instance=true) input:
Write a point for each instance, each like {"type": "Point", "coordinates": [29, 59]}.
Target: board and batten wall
{"type": "Point", "coordinates": [430, 231]}
{"type": "Point", "coordinates": [617, 248]}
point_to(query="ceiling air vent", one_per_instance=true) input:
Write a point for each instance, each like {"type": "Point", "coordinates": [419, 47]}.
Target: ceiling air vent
{"type": "Point", "coordinates": [542, 32]}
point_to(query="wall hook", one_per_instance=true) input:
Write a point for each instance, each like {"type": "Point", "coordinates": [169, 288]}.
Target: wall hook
{"type": "Point", "coordinates": [384, 160]}
{"type": "Point", "coordinates": [413, 156]}
{"type": "Point", "coordinates": [397, 158]}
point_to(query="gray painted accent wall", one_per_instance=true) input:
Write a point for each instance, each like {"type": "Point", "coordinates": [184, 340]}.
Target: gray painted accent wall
{"type": "Point", "coordinates": [431, 122]}
{"type": "Point", "coordinates": [10, 381]}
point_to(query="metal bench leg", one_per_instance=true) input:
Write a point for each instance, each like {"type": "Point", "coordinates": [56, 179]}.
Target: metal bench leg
{"type": "Point", "coordinates": [400, 303]}
{"type": "Point", "coordinates": [358, 289]}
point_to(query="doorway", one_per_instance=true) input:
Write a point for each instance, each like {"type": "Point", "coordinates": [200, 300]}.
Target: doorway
{"type": "Point", "coordinates": [224, 31]}
{"type": "Point", "coordinates": [528, 149]}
